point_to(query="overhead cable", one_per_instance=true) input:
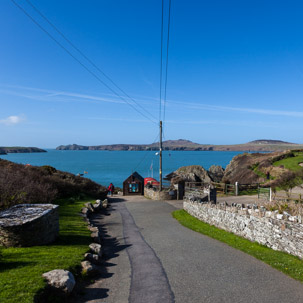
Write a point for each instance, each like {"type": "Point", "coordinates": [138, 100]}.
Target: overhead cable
{"type": "Point", "coordinates": [79, 62]}
{"type": "Point", "coordinates": [146, 153]}
{"type": "Point", "coordinates": [167, 48]}
{"type": "Point", "coordinates": [161, 61]}
{"type": "Point", "coordinates": [84, 56]}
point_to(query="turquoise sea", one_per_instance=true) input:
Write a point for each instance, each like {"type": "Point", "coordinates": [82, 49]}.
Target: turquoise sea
{"type": "Point", "coordinates": [115, 166]}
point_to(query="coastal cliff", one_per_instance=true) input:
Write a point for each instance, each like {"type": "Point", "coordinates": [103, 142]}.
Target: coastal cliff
{"type": "Point", "coordinates": [186, 145]}
{"type": "Point", "coordinates": [18, 149]}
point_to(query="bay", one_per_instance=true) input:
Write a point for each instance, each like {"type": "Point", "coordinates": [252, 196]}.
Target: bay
{"type": "Point", "coordinates": [105, 167]}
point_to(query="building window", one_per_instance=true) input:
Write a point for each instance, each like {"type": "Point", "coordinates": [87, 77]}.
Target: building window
{"type": "Point", "coordinates": [133, 187]}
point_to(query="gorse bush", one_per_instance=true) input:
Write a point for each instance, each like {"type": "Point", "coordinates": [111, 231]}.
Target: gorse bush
{"type": "Point", "coordinates": [288, 180]}
{"type": "Point", "coordinates": [32, 184]}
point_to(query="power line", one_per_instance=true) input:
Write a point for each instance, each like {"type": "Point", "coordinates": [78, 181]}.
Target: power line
{"type": "Point", "coordinates": [84, 56]}
{"type": "Point", "coordinates": [167, 48]}
{"type": "Point", "coordinates": [78, 61]}
{"type": "Point", "coordinates": [146, 153]}
{"type": "Point", "coordinates": [161, 61]}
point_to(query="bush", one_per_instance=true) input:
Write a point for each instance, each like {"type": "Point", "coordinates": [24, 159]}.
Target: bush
{"type": "Point", "coordinates": [31, 184]}
{"type": "Point", "coordinates": [288, 180]}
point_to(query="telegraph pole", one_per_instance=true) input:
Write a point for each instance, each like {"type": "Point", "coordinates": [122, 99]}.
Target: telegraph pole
{"type": "Point", "coordinates": [160, 158]}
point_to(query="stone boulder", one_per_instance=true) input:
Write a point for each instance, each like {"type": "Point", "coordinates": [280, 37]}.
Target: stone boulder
{"type": "Point", "coordinates": [89, 268]}
{"type": "Point", "coordinates": [93, 258]}
{"type": "Point", "coordinates": [60, 280]}
{"type": "Point", "coordinates": [89, 206]}
{"type": "Point", "coordinates": [96, 249]}
{"type": "Point", "coordinates": [97, 205]}
{"type": "Point", "coordinates": [216, 173]}
{"type": "Point", "coordinates": [96, 236]}
{"type": "Point", "coordinates": [105, 203]}
{"type": "Point", "coordinates": [192, 173]}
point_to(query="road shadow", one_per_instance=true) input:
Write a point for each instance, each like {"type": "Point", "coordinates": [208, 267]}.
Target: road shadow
{"type": "Point", "coordinates": [90, 290]}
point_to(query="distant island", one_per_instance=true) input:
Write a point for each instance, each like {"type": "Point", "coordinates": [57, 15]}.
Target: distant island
{"type": "Point", "coordinates": [19, 149]}
{"type": "Point", "coordinates": [186, 145]}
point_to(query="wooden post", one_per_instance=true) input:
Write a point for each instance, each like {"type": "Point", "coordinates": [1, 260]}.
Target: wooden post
{"type": "Point", "coordinates": [160, 158]}
{"type": "Point", "coordinates": [270, 194]}
{"type": "Point", "coordinates": [237, 188]}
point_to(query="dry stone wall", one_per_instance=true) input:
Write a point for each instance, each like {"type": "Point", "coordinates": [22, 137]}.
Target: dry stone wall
{"type": "Point", "coordinates": [278, 231]}
{"type": "Point", "coordinates": [29, 225]}
{"type": "Point", "coordinates": [154, 194]}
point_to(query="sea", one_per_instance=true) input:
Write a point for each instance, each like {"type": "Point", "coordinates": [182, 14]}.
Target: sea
{"type": "Point", "coordinates": [105, 167]}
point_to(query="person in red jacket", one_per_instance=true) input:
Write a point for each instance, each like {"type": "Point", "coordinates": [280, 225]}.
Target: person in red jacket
{"type": "Point", "coordinates": [111, 189]}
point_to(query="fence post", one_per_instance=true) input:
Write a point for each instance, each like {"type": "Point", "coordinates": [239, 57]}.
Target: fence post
{"type": "Point", "coordinates": [258, 191]}
{"type": "Point", "coordinates": [237, 188]}
{"type": "Point", "coordinates": [270, 194]}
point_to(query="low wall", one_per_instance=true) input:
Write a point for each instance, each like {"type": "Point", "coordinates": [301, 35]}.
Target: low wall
{"type": "Point", "coordinates": [278, 231]}
{"type": "Point", "coordinates": [150, 193]}
{"type": "Point", "coordinates": [29, 225]}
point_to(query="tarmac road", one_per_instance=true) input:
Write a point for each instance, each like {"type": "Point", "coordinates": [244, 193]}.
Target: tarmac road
{"type": "Point", "coordinates": [151, 258]}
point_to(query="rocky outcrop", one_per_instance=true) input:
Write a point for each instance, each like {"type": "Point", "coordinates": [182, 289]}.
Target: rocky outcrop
{"type": "Point", "coordinates": [255, 168]}
{"type": "Point", "coordinates": [29, 225]}
{"type": "Point", "coordinates": [216, 173]}
{"type": "Point", "coordinates": [6, 150]}
{"type": "Point", "coordinates": [192, 173]}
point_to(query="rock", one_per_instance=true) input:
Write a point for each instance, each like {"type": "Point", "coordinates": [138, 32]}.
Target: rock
{"type": "Point", "coordinates": [89, 268]}
{"type": "Point", "coordinates": [89, 206]}
{"type": "Point", "coordinates": [96, 249]}
{"type": "Point", "coordinates": [93, 228]}
{"type": "Point", "coordinates": [216, 173]}
{"type": "Point", "coordinates": [96, 236]}
{"type": "Point", "coordinates": [93, 258]}
{"type": "Point", "coordinates": [85, 211]}
{"type": "Point", "coordinates": [61, 280]}
{"type": "Point", "coordinates": [192, 173]}
{"type": "Point", "coordinates": [105, 203]}
{"type": "Point", "coordinates": [97, 206]}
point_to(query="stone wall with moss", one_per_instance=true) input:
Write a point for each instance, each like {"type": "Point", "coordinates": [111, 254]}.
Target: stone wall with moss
{"type": "Point", "coordinates": [278, 231]}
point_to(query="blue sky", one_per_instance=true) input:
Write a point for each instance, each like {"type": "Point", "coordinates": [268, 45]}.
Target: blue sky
{"type": "Point", "coordinates": [235, 72]}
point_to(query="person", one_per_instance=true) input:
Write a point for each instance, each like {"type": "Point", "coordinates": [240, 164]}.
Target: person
{"type": "Point", "coordinates": [111, 189]}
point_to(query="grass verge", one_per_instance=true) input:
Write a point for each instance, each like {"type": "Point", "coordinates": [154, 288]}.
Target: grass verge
{"type": "Point", "coordinates": [291, 163]}
{"type": "Point", "coordinates": [21, 267]}
{"type": "Point", "coordinates": [284, 262]}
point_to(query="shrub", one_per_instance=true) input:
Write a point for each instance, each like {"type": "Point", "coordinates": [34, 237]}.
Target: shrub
{"type": "Point", "coordinates": [31, 184]}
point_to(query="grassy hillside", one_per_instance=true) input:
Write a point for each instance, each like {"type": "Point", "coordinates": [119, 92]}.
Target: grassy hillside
{"type": "Point", "coordinates": [292, 163]}
{"type": "Point", "coordinates": [278, 170]}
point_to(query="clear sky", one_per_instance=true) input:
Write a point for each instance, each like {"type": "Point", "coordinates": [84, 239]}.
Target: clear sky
{"type": "Point", "coordinates": [235, 71]}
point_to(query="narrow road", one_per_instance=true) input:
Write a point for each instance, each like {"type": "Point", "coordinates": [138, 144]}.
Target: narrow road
{"type": "Point", "coordinates": [151, 258]}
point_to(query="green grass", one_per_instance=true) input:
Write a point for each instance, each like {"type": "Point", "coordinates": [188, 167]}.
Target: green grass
{"type": "Point", "coordinates": [284, 262]}
{"type": "Point", "coordinates": [291, 163]}
{"type": "Point", "coordinates": [21, 268]}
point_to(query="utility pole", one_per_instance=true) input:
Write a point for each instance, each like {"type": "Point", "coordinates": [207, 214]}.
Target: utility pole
{"type": "Point", "coordinates": [160, 158]}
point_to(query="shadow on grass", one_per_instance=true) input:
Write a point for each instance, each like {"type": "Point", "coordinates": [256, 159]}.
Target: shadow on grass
{"type": "Point", "coordinates": [12, 265]}
{"type": "Point", "coordinates": [72, 240]}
